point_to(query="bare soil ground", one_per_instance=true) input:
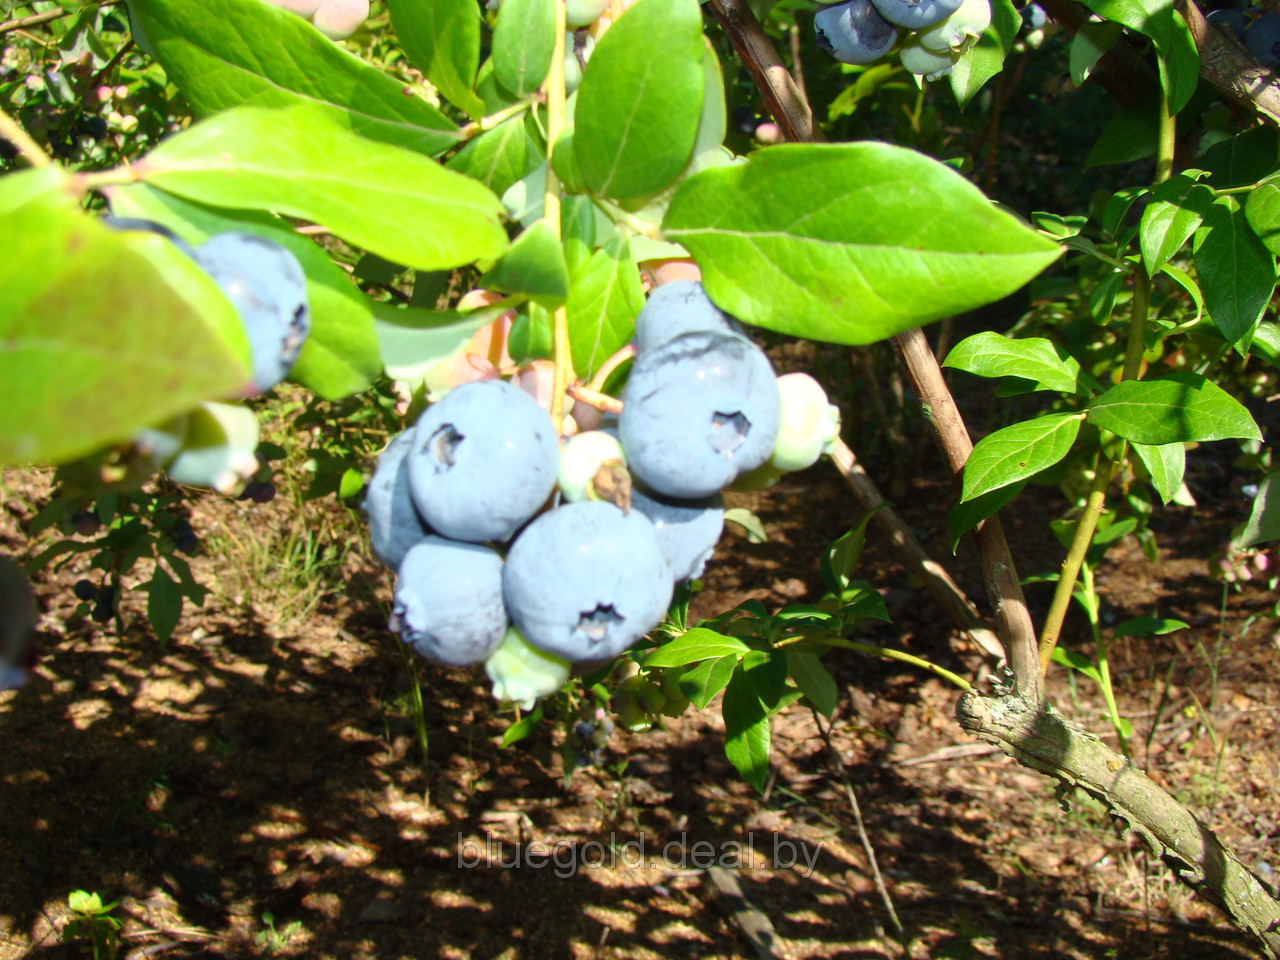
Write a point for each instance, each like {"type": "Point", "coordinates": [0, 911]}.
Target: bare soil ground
{"type": "Point", "coordinates": [264, 763]}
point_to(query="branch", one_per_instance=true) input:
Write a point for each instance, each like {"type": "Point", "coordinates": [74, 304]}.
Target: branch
{"type": "Point", "coordinates": [1039, 738]}
{"type": "Point", "coordinates": [1012, 616]}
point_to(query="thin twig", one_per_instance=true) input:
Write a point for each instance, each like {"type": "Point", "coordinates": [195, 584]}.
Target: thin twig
{"type": "Point", "coordinates": [32, 21]}
{"type": "Point", "coordinates": [838, 764]}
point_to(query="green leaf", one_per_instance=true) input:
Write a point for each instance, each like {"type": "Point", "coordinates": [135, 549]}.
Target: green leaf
{"type": "Point", "coordinates": [813, 679]}
{"type": "Point", "coordinates": [1237, 273]}
{"type": "Point", "coordinates": [1176, 209]}
{"type": "Point", "coordinates": [837, 562]}
{"type": "Point", "coordinates": [1175, 49]}
{"type": "Point", "coordinates": [45, 184]}
{"type": "Point", "coordinates": [246, 52]}
{"type": "Point", "coordinates": [1262, 211]}
{"type": "Point", "coordinates": [341, 355]}
{"type": "Point", "coordinates": [414, 341]}
{"type": "Point", "coordinates": [695, 645]}
{"type": "Point", "coordinates": [1176, 408]}
{"type": "Point", "coordinates": [577, 231]}
{"type": "Point", "coordinates": [749, 522]}
{"type": "Point", "coordinates": [442, 39]}
{"type": "Point", "coordinates": [1018, 452]}
{"type": "Point", "coordinates": [523, 728]}
{"type": "Point", "coordinates": [604, 299]}
{"type": "Point", "coordinates": [1131, 135]}
{"type": "Point", "coordinates": [533, 266]}
{"type": "Point", "coordinates": [1076, 661]}
{"type": "Point", "coordinates": [641, 99]}
{"type": "Point", "coordinates": [1165, 463]}
{"type": "Point", "coordinates": [964, 516]}
{"type": "Point", "coordinates": [1241, 160]}
{"type": "Point", "coordinates": [501, 156]}
{"type": "Point", "coordinates": [1149, 626]}
{"type": "Point", "coordinates": [298, 161]}
{"type": "Point", "coordinates": [746, 730]}
{"type": "Point", "coordinates": [104, 334]}
{"type": "Point", "coordinates": [1266, 342]}
{"type": "Point", "coordinates": [1184, 280]}
{"type": "Point", "coordinates": [1092, 40]}
{"type": "Point", "coordinates": [1264, 519]}
{"type": "Point", "coordinates": [986, 58]}
{"type": "Point", "coordinates": [988, 354]}
{"type": "Point", "coordinates": [897, 239]}
{"type": "Point", "coordinates": [708, 678]}
{"type": "Point", "coordinates": [164, 604]}
{"type": "Point", "coordinates": [767, 671]}
{"type": "Point", "coordinates": [524, 39]}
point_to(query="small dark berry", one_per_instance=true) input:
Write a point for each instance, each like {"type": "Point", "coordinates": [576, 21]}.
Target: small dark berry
{"type": "Point", "coordinates": [85, 590]}
{"type": "Point", "coordinates": [265, 492]}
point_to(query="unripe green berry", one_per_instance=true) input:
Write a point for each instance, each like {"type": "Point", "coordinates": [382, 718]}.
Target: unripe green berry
{"type": "Point", "coordinates": [810, 425]}
{"type": "Point", "coordinates": [960, 31]}
{"type": "Point", "coordinates": [580, 461]}
{"type": "Point", "coordinates": [522, 673]}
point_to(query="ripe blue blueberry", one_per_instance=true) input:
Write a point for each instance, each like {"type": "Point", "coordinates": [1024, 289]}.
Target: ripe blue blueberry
{"type": "Point", "coordinates": [916, 14]}
{"type": "Point", "coordinates": [688, 530]}
{"type": "Point", "coordinates": [1262, 40]}
{"type": "Point", "coordinates": [483, 462]}
{"type": "Point", "coordinates": [448, 602]}
{"type": "Point", "coordinates": [265, 283]}
{"type": "Point", "coordinates": [678, 308]}
{"type": "Point", "coordinates": [586, 581]}
{"type": "Point", "coordinates": [1232, 20]}
{"type": "Point", "coordinates": [854, 32]}
{"type": "Point", "coordinates": [394, 524]}
{"type": "Point", "coordinates": [698, 411]}
{"type": "Point", "coordinates": [85, 590]}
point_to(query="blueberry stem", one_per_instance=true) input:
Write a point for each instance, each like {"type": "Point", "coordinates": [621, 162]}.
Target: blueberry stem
{"type": "Point", "coordinates": [594, 398]}
{"type": "Point", "coordinates": [601, 376]}
{"type": "Point", "coordinates": [485, 124]}
{"type": "Point", "coordinates": [556, 113]}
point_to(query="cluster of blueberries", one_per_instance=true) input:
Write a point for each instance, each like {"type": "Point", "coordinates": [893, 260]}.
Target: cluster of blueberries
{"type": "Point", "coordinates": [538, 558]}
{"type": "Point", "coordinates": [931, 35]}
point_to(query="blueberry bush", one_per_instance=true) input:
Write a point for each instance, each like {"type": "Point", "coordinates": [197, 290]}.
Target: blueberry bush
{"type": "Point", "coordinates": [547, 243]}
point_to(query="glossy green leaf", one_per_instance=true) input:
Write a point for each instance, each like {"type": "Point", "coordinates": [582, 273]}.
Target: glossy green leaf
{"type": "Point", "coordinates": [413, 341]}
{"type": "Point", "coordinates": [249, 53]}
{"type": "Point", "coordinates": [340, 356]}
{"type": "Point", "coordinates": [442, 39]}
{"type": "Point", "coordinates": [1176, 209]}
{"type": "Point", "coordinates": [1241, 160]}
{"type": "Point", "coordinates": [1176, 54]}
{"type": "Point", "coordinates": [988, 354]}
{"type": "Point", "coordinates": [1166, 464]}
{"type": "Point", "coordinates": [298, 161]}
{"type": "Point", "coordinates": [604, 299]}
{"type": "Point", "coordinates": [693, 646]}
{"type": "Point", "coordinates": [1018, 452]}
{"type": "Point", "coordinates": [1266, 342]}
{"type": "Point", "coordinates": [641, 99]}
{"type": "Point", "coordinates": [577, 231]}
{"type": "Point", "coordinates": [749, 522]}
{"type": "Point", "coordinates": [1076, 661]}
{"type": "Point", "coordinates": [1262, 211]}
{"type": "Point", "coordinates": [524, 39]}
{"type": "Point", "coordinates": [1176, 408]}
{"type": "Point", "coordinates": [1149, 626]}
{"type": "Point", "coordinates": [1132, 134]}
{"type": "Point", "coordinates": [985, 59]}
{"type": "Point", "coordinates": [164, 604]}
{"type": "Point", "coordinates": [39, 183]}
{"type": "Point", "coordinates": [767, 671]}
{"type": "Point", "coordinates": [1187, 283]}
{"type": "Point", "coordinates": [897, 239]}
{"type": "Point", "coordinates": [114, 332]}
{"type": "Point", "coordinates": [703, 682]}
{"type": "Point", "coordinates": [501, 156]}
{"type": "Point", "coordinates": [963, 517]}
{"type": "Point", "coordinates": [814, 680]}
{"type": "Point", "coordinates": [523, 728]}
{"type": "Point", "coordinates": [1236, 272]}
{"type": "Point", "coordinates": [838, 561]}
{"type": "Point", "coordinates": [746, 730]}
{"type": "Point", "coordinates": [533, 266]}
{"type": "Point", "coordinates": [1092, 40]}
{"type": "Point", "coordinates": [1263, 525]}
